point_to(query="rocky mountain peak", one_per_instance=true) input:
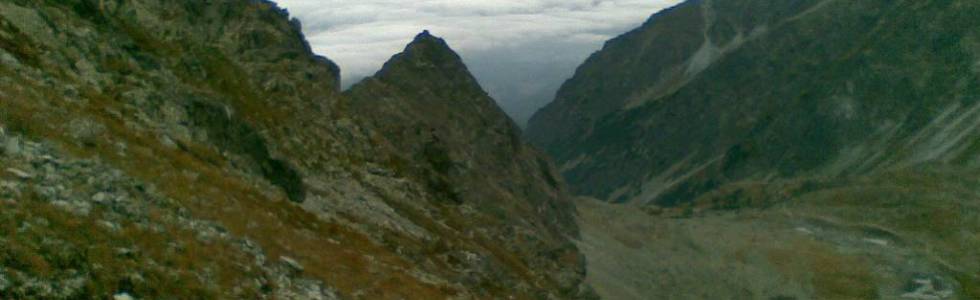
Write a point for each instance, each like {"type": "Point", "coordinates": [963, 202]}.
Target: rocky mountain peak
{"type": "Point", "coordinates": [426, 46]}
{"type": "Point", "coordinates": [434, 114]}
{"type": "Point", "coordinates": [424, 35]}
{"type": "Point", "coordinates": [429, 57]}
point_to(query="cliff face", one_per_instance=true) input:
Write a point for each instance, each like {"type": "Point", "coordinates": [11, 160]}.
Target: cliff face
{"type": "Point", "coordinates": [762, 138]}
{"type": "Point", "coordinates": [199, 149]}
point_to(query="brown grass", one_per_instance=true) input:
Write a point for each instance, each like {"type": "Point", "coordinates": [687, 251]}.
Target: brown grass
{"type": "Point", "coordinates": [90, 244]}
{"type": "Point", "coordinates": [832, 275]}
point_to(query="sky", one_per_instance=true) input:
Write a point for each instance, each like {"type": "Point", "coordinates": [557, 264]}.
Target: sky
{"type": "Point", "coordinates": [521, 51]}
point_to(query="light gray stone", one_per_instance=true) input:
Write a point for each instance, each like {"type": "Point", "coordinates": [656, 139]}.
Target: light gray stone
{"type": "Point", "coordinates": [11, 146]}
{"type": "Point", "coordinates": [166, 141]}
{"type": "Point", "coordinates": [20, 173]}
{"type": "Point", "coordinates": [4, 282]}
{"type": "Point", "coordinates": [110, 226]}
{"type": "Point", "coordinates": [100, 197]}
{"type": "Point", "coordinates": [76, 208]}
{"type": "Point", "coordinates": [122, 296]}
{"type": "Point", "coordinates": [86, 131]}
{"type": "Point", "coordinates": [292, 263]}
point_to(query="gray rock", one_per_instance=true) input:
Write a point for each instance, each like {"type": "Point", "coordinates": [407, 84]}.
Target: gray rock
{"type": "Point", "coordinates": [126, 252]}
{"type": "Point", "coordinates": [48, 159]}
{"type": "Point", "coordinates": [11, 146]}
{"type": "Point", "coordinates": [122, 296]}
{"type": "Point", "coordinates": [85, 131]}
{"type": "Point", "coordinates": [4, 282]}
{"type": "Point", "coordinates": [308, 289]}
{"type": "Point", "coordinates": [291, 263]}
{"type": "Point", "coordinates": [100, 197]}
{"type": "Point", "coordinates": [9, 189]}
{"type": "Point", "coordinates": [166, 141]}
{"type": "Point", "coordinates": [381, 172]}
{"type": "Point", "coordinates": [35, 286]}
{"type": "Point", "coordinates": [81, 208]}
{"type": "Point", "coordinates": [20, 174]}
{"type": "Point", "coordinates": [70, 287]}
{"type": "Point", "coordinates": [110, 225]}
{"type": "Point", "coordinates": [928, 289]}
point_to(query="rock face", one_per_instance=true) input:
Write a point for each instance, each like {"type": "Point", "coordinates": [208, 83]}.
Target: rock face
{"type": "Point", "coordinates": [203, 149]}
{"type": "Point", "coordinates": [810, 115]}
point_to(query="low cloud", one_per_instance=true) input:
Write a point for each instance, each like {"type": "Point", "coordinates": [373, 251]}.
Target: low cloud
{"type": "Point", "coordinates": [497, 38]}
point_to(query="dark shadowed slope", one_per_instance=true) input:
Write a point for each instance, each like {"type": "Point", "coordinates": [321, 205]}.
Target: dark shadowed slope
{"type": "Point", "coordinates": [712, 92]}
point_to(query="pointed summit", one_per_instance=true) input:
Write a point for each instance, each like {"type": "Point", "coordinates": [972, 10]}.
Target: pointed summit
{"type": "Point", "coordinates": [433, 115]}
{"type": "Point", "coordinates": [428, 59]}
{"type": "Point", "coordinates": [423, 35]}
{"type": "Point", "coordinates": [427, 38]}
{"type": "Point", "coordinates": [430, 47]}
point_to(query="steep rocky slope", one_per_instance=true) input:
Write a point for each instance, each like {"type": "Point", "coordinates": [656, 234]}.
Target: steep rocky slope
{"type": "Point", "coordinates": [750, 140]}
{"type": "Point", "coordinates": [198, 149]}
{"type": "Point", "coordinates": [450, 134]}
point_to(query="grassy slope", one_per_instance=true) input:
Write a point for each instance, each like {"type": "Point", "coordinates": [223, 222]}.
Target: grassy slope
{"type": "Point", "coordinates": [864, 239]}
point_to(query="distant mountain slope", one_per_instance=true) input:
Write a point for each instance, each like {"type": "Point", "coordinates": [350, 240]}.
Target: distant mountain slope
{"type": "Point", "coordinates": [712, 92]}
{"type": "Point", "coordinates": [199, 149]}
{"type": "Point", "coordinates": [779, 150]}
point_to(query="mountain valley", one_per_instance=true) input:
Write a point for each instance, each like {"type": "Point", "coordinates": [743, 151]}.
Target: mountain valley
{"type": "Point", "coordinates": [742, 149]}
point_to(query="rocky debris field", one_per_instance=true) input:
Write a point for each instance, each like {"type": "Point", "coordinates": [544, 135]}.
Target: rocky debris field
{"type": "Point", "coordinates": [77, 228]}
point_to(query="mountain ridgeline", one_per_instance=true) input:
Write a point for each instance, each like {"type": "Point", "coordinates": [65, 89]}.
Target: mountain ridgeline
{"type": "Point", "coordinates": [805, 149]}
{"type": "Point", "coordinates": [159, 149]}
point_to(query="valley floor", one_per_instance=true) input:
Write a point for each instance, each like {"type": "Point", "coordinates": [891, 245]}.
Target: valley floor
{"type": "Point", "coordinates": [893, 237]}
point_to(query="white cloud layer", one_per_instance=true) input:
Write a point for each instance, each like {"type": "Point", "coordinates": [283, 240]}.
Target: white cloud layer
{"type": "Point", "coordinates": [497, 38]}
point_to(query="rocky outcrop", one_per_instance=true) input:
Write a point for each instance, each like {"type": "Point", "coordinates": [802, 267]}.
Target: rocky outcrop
{"type": "Point", "coordinates": [232, 134]}
{"type": "Point", "coordinates": [222, 107]}
{"type": "Point", "coordinates": [78, 228]}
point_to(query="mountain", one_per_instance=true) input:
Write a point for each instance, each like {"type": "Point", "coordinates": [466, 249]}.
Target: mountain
{"type": "Point", "coordinates": [199, 149]}
{"type": "Point", "coordinates": [501, 194]}
{"type": "Point", "coordinates": [708, 93]}
{"type": "Point", "coordinates": [843, 134]}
